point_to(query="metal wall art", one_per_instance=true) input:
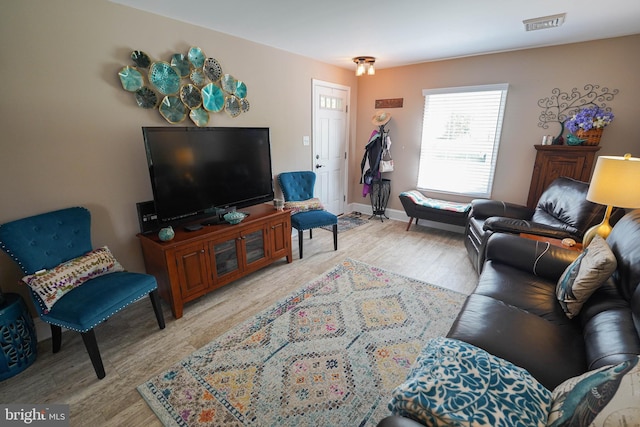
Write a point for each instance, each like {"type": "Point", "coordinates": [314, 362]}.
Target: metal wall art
{"type": "Point", "coordinates": [561, 106]}
{"type": "Point", "coordinates": [188, 85]}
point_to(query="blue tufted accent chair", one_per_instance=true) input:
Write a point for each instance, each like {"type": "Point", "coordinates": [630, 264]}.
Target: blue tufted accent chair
{"type": "Point", "coordinates": [47, 240]}
{"type": "Point", "coordinates": [297, 187]}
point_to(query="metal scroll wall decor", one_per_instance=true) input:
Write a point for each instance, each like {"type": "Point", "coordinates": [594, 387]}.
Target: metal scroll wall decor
{"type": "Point", "coordinates": [561, 106]}
{"type": "Point", "coordinates": [190, 84]}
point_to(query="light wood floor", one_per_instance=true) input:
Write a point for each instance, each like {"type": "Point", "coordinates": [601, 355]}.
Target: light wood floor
{"type": "Point", "coordinates": [133, 348]}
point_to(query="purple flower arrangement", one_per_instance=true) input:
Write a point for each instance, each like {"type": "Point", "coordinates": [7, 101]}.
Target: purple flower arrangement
{"type": "Point", "coordinates": [589, 118]}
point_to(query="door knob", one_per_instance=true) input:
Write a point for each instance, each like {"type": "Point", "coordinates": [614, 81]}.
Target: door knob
{"type": "Point", "coordinates": [319, 165]}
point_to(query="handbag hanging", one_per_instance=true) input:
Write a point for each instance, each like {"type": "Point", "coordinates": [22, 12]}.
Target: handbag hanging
{"type": "Point", "coordinates": [386, 162]}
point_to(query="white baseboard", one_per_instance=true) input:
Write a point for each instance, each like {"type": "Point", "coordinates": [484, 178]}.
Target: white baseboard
{"type": "Point", "coordinates": [398, 215]}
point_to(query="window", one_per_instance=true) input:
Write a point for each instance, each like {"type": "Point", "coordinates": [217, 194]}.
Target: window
{"type": "Point", "coordinates": [460, 137]}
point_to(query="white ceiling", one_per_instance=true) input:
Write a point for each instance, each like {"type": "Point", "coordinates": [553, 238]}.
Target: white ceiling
{"type": "Point", "coordinates": [401, 32]}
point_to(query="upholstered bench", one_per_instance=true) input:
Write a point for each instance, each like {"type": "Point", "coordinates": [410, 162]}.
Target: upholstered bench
{"type": "Point", "coordinates": [417, 206]}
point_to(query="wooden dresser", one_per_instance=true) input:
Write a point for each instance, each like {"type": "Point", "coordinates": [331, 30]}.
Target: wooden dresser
{"type": "Point", "coordinates": [554, 161]}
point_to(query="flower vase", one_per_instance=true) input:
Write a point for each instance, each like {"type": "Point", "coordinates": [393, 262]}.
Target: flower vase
{"type": "Point", "coordinates": [559, 140]}
{"type": "Point", "coordinates": [590, 137]}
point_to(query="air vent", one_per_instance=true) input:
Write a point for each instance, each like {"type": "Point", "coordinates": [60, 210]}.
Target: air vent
{"type": "Point", "coordinates": [544, 22]}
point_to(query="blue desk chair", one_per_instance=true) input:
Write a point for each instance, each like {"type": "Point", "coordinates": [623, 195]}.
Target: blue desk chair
{"type": "Point", "coordinates": [298, 187]}
{"type": "Point", "coordinates": [44, 241]}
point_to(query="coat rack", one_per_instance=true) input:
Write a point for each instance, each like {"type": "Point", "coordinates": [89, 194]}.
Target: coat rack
{"type": "Point", "coordinates": [380, 187]}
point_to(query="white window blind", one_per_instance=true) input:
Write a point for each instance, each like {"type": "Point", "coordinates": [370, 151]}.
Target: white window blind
{"type": "Point", "coordinates": [460, 138]}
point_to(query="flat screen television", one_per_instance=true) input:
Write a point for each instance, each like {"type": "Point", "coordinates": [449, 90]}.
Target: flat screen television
{"type": "Point", "coordinates": [196, 172]}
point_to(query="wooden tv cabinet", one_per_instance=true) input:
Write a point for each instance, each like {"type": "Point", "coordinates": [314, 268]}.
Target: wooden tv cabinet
{"type": "Point", "coordinates": [194, 263]}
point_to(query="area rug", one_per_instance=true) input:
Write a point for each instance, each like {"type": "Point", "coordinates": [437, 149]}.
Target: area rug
{"type": "Point", "coordinates": [327, 355]}
{"type": "Point", "coordinates": [347, 222]}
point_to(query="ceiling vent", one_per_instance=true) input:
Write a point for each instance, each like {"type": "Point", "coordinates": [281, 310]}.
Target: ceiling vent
{"type": "Point", "coordinates": [544, 22]}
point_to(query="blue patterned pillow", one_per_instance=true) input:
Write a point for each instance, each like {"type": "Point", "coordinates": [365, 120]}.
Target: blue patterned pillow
{"type": "Point", "coordinates": [608, 396]}
{"type": "Point", "coordinates": [454, 383]}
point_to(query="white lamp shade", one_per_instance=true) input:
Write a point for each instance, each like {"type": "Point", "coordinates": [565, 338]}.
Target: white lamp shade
{"type": "Point", "coordinates": [616, 182]}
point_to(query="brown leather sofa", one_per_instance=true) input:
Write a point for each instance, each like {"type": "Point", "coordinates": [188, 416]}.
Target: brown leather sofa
{"type": "Point", "coordinates": [514, 314]}
{"type": "Point", "coordinates": [562, 211]}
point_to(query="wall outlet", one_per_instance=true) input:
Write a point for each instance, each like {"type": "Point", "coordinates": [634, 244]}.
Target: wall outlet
{"type": "Point", "coordinates": [305, 140]}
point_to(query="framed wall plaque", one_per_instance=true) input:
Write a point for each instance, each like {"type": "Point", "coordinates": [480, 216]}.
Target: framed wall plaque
{"type": "Point", "coordinates": [389, 103]}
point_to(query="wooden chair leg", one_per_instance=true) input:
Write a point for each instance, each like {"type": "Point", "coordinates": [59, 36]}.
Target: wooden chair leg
{"type": "Point", "coordinates": [157, 308]}
{"type": "Point", "coordinates": [91, 344]}
{"type": "Point", "coordinates": [409, 225]}
{"type": "Point", "coordinates": [335, 237]}
{"type": "Point", "coordinates": [300, 232]}
{"type": "Point", "coordinates": [56, 338]}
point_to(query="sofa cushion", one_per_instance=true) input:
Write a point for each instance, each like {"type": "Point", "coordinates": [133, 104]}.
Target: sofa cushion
{"type": "Point", "coordinates": [548, 220]}
{"type": "Point", "coordinates": [608, 327]}
{"type": "Point", "coordinates": [522, 289]}
{"type": "Point", "coordinates": [537, 258]}
{"type": "Point", "coordinates": [584, 275]}
{"type": "Point", "coordinates": [453, 383]}
{"type": "Point", "coordinates": [611, 338]}
{"type": "Point", "coordinates": [623, 241]}
{"type": "Point", "coordinates": [604, 397]}
{"type": "Point", "coordinates": [551, 352]}
{"type": "Point", "coordinates": [420, 199]}
{"type": "Point", "coordinates": [565, 200]}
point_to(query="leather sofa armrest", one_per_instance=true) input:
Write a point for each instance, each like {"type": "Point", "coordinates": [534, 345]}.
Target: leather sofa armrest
{"type": "Point", "coordinates": [538, 258]}
{"type": "Point", "coordinates": [516, 226]}
{"type": "Point", "coordinates": [483, 208]}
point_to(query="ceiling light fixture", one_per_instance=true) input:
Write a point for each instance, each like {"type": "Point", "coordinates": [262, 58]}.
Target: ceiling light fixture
{"type": "Point", "coordinates": [365, 64]}
{"type": "Point", "coordinates": [544, 22]}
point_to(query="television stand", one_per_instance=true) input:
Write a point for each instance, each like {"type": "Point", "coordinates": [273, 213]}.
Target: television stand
{"type": "Point", "coordinates": [195, 263]}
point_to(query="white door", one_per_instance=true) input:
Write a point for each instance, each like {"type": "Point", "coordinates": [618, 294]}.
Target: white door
{"type": "Point", "coordinates": [330, 134]}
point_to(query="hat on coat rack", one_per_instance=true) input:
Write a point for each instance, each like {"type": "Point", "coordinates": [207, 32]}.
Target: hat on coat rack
{"type": "Point", "coordinates": [381, 118]}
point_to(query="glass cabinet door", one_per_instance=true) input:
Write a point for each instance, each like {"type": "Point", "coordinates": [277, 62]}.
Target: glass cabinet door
{"type": "Point", "coordinates": [254, 246]}
{"type": "Point", "coordinates": [226, 257]}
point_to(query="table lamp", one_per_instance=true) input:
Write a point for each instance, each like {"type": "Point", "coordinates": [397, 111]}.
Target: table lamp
{"type": "Point", "coordinates": [615, 182]}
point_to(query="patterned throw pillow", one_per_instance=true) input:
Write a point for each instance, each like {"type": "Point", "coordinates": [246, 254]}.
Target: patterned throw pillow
{"type": "Point", "coordinates": [454, 383]}
{"type": "Point", "coordinates": [609, 396]}
{"type": "Point", "coordinates": [51, 285]}
{"type": "Point", "coordinates": [305, 205]}
{"type": "Point", "coordinates": [585, 275]}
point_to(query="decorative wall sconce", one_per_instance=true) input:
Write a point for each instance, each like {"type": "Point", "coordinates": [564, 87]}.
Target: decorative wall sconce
{"type": "Point", "coordinates": [365, 64]}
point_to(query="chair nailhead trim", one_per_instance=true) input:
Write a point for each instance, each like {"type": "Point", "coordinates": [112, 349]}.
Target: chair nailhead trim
{"type": "Point", "coordinates": [100, 321]}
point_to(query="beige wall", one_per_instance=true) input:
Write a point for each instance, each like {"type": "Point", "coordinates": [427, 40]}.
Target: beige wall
{"type": "Point", "coordinates": [531, 75]}
{"type": "Point", "coordinates": [71, 135]}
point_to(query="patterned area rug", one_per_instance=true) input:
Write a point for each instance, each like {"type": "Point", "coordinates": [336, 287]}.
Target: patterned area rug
{"type": "Point", "coordinates": [347, 222]}
{"type": "Point", "coordinates": [328, 355]}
